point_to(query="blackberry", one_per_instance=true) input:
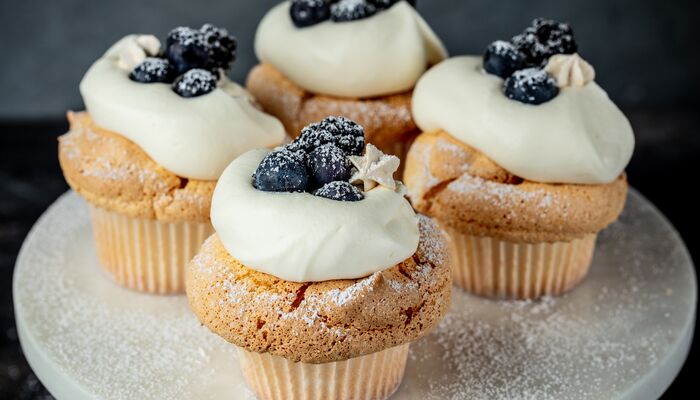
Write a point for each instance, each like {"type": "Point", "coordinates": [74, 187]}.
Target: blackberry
{"type": "Point", "coordinates": [352, 10]}
{"type": "Point", "coordinates": [344, 133]}
{"type": "Point", "coordinates": [207, 48]}
{"type": "Point", "coordinates": [543, 39]}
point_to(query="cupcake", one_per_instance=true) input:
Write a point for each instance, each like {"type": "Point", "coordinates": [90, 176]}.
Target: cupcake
{"type": "Point", "coordinates": [521, 161]}
{"type": "Point", "coordinates": [161, 124]}
{"type": "Point", "coordinates": [354, 58]}
{"type": "Point", "coordinates": [320, 284]}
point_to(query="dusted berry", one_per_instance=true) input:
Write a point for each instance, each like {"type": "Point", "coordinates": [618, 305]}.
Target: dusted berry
{"type": "Point", "coordinates": [186, 49]}
{"type": "Point", "coordinates": [383, 4]}
{"type": "Point", "coordinates": [153, 70]}
{"type": "Point", "coordinates": [344, 133]}
{"type": "Point", "coordinates": [195, 82]}
{"type": "Point", "coordinates": [207, 48]}
{"type": "Point", "coordinates": [502, 58]}
{"type": "Point", "coordinates": [543, 39]}
{"type": "Point", "coordinates": [309, 12]}
{"type": "Point", "coordinates": [531, 86]}
{"type": "Point", "coordinates": [341, 191]}
{"type": "Point", "coordinates": [281, 171]}
{"type": "Point", "coordinates": [352, 10]}
{"type": "Point", "coordinates": [221, 46]}
{"type": "Point", "coordinates": [327, 164]}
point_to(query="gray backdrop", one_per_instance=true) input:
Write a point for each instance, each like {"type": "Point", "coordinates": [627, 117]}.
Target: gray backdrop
{"type": "Point", "coordinates": [645, 51]}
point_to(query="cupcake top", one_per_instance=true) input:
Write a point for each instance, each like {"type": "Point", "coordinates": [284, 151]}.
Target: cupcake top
{"type": "Point", "coordinates": [531, 105]}
{"type": "Point", "coordinates": [175, 101]}
{"type": "Point", "coordinates": [348, 48]}
{"type": "Point", "coordinates": [296, 213]}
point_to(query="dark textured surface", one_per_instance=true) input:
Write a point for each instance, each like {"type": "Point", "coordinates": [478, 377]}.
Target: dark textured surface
{"type": "Point", "coordinates": [642, 49]}
{"type": "Point", "coordinates": [664, 168]}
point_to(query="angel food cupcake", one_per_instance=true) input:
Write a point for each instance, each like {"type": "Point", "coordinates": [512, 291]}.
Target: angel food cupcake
{"type": "Point", "coordinates": [521, 161]}
{"type": "Point", "coordinates": [320, 284]}
{"type": "Point", "coordinates": [355, 58]}
{"type": "Point", "coordinates": [162, 123]}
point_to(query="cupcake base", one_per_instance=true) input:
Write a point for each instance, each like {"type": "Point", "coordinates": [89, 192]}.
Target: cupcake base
{"type": "Point", "coordinates": [370, 377]}
{"type": "Point", "coordinates": [143, 254]}
{"type": "Point", "coordinates": [502, 269]}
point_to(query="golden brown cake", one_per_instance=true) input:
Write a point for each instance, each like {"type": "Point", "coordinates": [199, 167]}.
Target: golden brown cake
{"type": "Point", "coordinates": [386, 119]}
{"type": "Point", "coordinates": [320, 271]}
{"type": "Point", "coordinates": [488, 211]}
{"type": "Point", "coordinates": [157, 132]}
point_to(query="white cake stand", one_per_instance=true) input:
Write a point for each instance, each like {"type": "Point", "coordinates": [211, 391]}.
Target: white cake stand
{"type": "Point", "coordinates": [623, 334]}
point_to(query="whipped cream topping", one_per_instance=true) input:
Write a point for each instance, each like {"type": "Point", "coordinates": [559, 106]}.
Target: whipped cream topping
{"type": "Point", "coordinates": [134, 49]}
{"type": "Point", "coordinates": [375, 56]}
{"type": "Point", "coordinates": [195, 138]}
{"type": "Point", "coordinates": [570, 70]}
{"type": "Point", "coordinates": [300, 237]}
{"type": "Point", "coordinates": [578, 137]}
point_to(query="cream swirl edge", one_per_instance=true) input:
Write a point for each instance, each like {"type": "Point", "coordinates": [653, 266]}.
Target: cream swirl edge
{"type": "Point", "coordinates": [579, 137]}
{"type": "Point", "coordinates": [195, 138]}
{"type": "Point", "coordinates": [376, 56]}
{"type": "Point", "coordinates": [303, 238]}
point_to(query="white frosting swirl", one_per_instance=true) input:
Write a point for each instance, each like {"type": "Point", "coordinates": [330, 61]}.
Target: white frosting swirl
{"type": "Point", "coordinates": [303, 238]}
{"type": "Point", "coordinates": [375, 56]}
{"type": "Point", "coordinates": [195, 138]}
{"type": "Point", "coordinates": [580, 136]}
{"type": "Point", "coordinates": [570, 70]}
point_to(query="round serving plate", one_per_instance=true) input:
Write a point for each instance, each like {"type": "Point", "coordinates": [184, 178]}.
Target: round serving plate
{"type": "Point", "coordinates": [622, 334]}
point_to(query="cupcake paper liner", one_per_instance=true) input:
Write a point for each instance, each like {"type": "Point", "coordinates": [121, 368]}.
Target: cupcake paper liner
{"type": "Point", "coordinates": [143, 254]}
{"type": "Point", "coordinates": [374, 376]}
{"type": "Point", "coordinates": [502, 269]}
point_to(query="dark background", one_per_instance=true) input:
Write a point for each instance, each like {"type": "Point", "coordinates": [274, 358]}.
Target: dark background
{"type": "Point", "coordinates": [645, 53]}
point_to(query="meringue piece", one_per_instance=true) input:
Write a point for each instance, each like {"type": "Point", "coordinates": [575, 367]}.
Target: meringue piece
{"type": "Point", "coordinates": [135, 49]}
{"type": "Point", "coordinates": [375, 168]}
{"type": "Point", "coordinates": [580, 136]}
{"type": "Point", "coordinates": [570, 70]}
{"type": "Point", "coordinates": [376, 56]}
{"type": "Point", "coordinates": [300, 237]}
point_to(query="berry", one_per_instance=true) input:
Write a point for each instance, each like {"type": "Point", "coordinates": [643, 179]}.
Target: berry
{"type": "Point", "coordinates": [222, 46]}
{"type": "Point", "coordinates": [341, 191]}
{"type": "Point", "coordinates": [382, 4]}
{"type": "Point", "coordinates": [195, 82]}
{"type": "Point", "coordinates": [309, 12]}
{"type": "Point", "coordinates": [531, 86]}
{"type": "Point", "coordinates": [502, 58]}
{"type": "Point", "coordinates": [207, 48]}
{"type": "Point", "coordinates": [543, 39]}
{"type": "Point", "coordinates": [352, 10]}
{"type": "Point", "coordinates": [328, 163]}
{"type": "Point", "coordinates": [153, 70]}
{"type": "Point", "coordinates": [281, 171]}
{"type": "Point", "coordinates": [344, 133]}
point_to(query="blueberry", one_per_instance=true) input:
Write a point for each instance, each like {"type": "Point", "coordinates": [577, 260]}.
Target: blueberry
{"type": "Point", "coordinates": [186, 49]}
{"type": "Point", "coordinates": [502, 58]}
{"type": "Point", "coordinates": [543, 39]}
{"type": "Point", "coordinates": [352, 10]}
{"type": "Point", "coordinates": [153, 70]}
{"type": "Point", "coordinates": [344, 133]}
{"type": "Point", "coordinates": [531, 86]}
{"type": "Point", "coordinates": [195, 82]}
{"type": "Point", "coordinates": [341, 191]}
{"type": "Point", "coordinates": [328, 163]}
{"type": "Point", "coordinates": [207, 48]}
{"type": "Point", "coordinates": [309, 12]}
{"type": "Point", "coordinates": [281, 171]}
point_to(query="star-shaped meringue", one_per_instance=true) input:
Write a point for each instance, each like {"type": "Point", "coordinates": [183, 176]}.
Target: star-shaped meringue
{"type": "Point", "coordinates": [375, 168]}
